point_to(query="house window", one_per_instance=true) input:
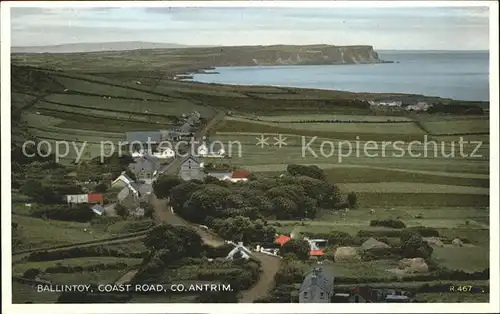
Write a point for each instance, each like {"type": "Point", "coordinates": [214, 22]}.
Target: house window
{"type": "Point", "coordinates": [322, 295]}
{"type": "Point", "coordinates": [356, 299]}
{"type": "Point", "coordinates": [305, 294]}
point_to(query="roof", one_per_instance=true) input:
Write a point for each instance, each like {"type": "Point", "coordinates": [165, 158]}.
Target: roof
{"type": "Point", "coordinates": [372, 243]}
{"type": "Point", "coordinates": [282, 239]}
{"type": "Point", "coordinates": [240, 174]}
{"type": "Point", "coordinates": [317, 252]}
{"type": "Point", "coordinates": [98, 209]}
{"type": "Point", "coordinates": [143, 136]}
{"type": "Point", "coordinates": [123, 177]}
{"type": "Point", "coordinates": [320, 278]}
{"type": "Point", "coordinates": [192, 158]}
{"type": "Point", "coordinates": [220, 175]}
{"type": "Point", "coordinates": [146, 163]}
{"type": "Point", "coordinates": [123, 194]}
{"type": "Point", "coordinates": [185, 128]}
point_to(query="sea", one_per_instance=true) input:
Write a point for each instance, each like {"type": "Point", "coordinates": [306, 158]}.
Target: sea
{"type": "Point", "coordinates": [460, 75]}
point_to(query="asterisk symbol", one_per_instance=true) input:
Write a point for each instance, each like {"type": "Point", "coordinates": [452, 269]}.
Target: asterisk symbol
{"type": "Point", "coordinates": [280, 141]}
{"type": "Point", "coordinates": [262, 141]}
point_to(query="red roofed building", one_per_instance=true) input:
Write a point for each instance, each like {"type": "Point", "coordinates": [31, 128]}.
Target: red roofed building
{"type": "Point", "coordinates": [282, 239]}
{"type": "Point", "coordinates": [317, 253]}
{"type": "Point", "coordinates": [239, 176]}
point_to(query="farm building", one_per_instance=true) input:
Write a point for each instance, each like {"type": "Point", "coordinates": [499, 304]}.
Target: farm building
{"type": "Point", "coordinates": [317, 287]}
{"type": "Point", "coordinates": [145, 168]}
{"type": "Point", "coordinates": [128, 197]}
{"type": "Point", "coordinates": [239, 249]}
{"type": "Point", "coordinates": [122, 181]}
{"type": "Point", "coordinates": [191, 169]}
{"type": "Point", "coordinates": [94, 198]}
{"type": "Point", "coordinates": [98, 209]}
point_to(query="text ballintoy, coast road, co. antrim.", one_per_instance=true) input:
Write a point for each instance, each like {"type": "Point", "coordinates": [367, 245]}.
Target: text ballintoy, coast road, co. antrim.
{"type": "Point", "coordinates": [153, 288]}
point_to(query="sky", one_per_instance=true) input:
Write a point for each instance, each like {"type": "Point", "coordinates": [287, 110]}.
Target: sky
{"type": "Point", "coordinates": [419, 28]}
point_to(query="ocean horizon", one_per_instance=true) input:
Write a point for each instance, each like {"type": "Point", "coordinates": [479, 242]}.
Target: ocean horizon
{"type": "Point", "coordinates": [458, 74]}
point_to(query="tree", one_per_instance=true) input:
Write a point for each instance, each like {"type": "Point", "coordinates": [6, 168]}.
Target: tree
{"type": "Point", "coordinates": [32, 273]}
{"type": "Point", "coordinates": [352, 200]}
{"type": "Point", "coordinates": [39, 193]}
{"type": "Point", "coordinates": [181, 193]}
{"type": "Point", "coordinates": [416, 246]}
{"type": "Point", "coordinates": [101, 188]}
{"type": "Point", "coordinates": [164, 184]}
{"type": "Point", "coordinates": [340, 238]}
{"type": "Point", "coordinates": [300, 248]}
{"type": "Point", "coordinates": [174, 242]}
{"type": "Point", "coordinates": [310, 171]}
{"type": "Point", "coordinates": [121, 210]}
{"type": "Point", "coordinates": [208, 201]}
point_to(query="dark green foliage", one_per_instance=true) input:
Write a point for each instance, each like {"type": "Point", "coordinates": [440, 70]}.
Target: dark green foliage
{"type": "Point", "coordinates": [121, 210]}
{"type": "Point", "coordinates": [425, 231]}
{"type": "Point", "coordinates": [413, 245]}
{"type": "Point", "coordinates": [352, 200]}
{"type": "Point", "coordinates": [244, 229]}
{"type": "Point", "coordinates": [79, 213]}
{"type": "Point", "coordinates": [164, 184]}
{"type": "Point", "coordinates": [309, 171]}
{"type": "Point", "coordinates": [101, 188]}
{"type": "Point", "coordinates": [300, 248]}
{"type": "Point", "coordinates": [340, 238]}
{"type": "Point", "coordinates": [389, 223]}
{"type": "Point", "coordinates": [289, 273]}
{"type": "Point", "coordinates": [174, 242]}
{"type": "Point", "coordinates": [40, 193]}
{"type": "Point", "coordinates": [181, 193]}
{"type": "Point", "coordinates": [32, 273]}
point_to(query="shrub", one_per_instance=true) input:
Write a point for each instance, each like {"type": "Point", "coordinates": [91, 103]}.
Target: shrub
{"type": "Point", "coordinates": [389, 223]}
{"type": "Point", "coordinates": [32, 273]}
{"type": "Point", "coordinates": [415, 246]}
{"type": "Point", "coordinates": [300, 248]}
{"type": "Point", "coordinates": [352, 200]}
{"type": "Point", "coordinates": [340, 238]}
{"type": "Point", "coordinates": [425, 231]}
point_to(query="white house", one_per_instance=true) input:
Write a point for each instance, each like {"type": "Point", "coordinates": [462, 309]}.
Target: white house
{"type": "Point", "coordinates": [165, 153]}
{"type": "Point", "coordinates": [191, 169]}
{"type": "Point", "coordinates": [202, 150]}
{"type": "Point", "coordinates": [122, 181]}
{"type": "Point", "coordinates": [240, 248]}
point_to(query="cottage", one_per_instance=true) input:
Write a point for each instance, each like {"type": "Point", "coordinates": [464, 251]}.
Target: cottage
{"type": "Point", "coordinates": [122, 181]}
{"type": "Point", "coordinates": [238, 176]}
{"type": "Point", "coordinates": [98, 209]}
{"type": "Point", "coordinates": [221, 175]}
{"type": "Point", "coordinates": [128, 197]}
{"type": "Point", "coordinates": [317, 287]}
{"type": "Point", "coordinates": [77, 199]}
{"type": "Point", "coordinates": [164, 153]}
{"type": "Point", "coordinates": [202, 150]}
{"type": "Point", "coordinates": [191, 169]}
{"type": "Point", "coordinates": [239, 250]}
{"type": "Point", "coordinates": [145, 168]}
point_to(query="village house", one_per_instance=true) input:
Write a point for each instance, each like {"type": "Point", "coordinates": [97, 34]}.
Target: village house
{"type": "Point", "coordinates": [203, 151]}
{"type": "Point", "coordinates": [420, 106]}
{"type": "Point", "coordinates": [317, 287]}
{"type": "Point", "coordinates": [93, 198]}
{"type": "Point", "coordinates": [145, 168]}
{"type": "Point", "coordinates": [191, 169]}
{"type": "Point", "coordinates": [123, 180]}
{"type": "Point", "coordinates": [235, 176]}
{"type": "Point", "coordinates": [129, 196]}
{"type": "Point", "coordinates": [98, 209]}
{"type": "Point", "coordinates": [240, 250]}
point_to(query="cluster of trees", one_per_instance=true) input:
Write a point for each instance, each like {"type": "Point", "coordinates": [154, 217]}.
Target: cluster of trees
{"type": "Point", "coordinates": [389, 223]}
{"type": "Point", "coordinates": [90, 251]}
{"type": "Point", "coordinates": [244, 229]}
{"type": "Point", "coordinates": [79, 212]}
{"type": "Point", "coordinates": [296, 196]}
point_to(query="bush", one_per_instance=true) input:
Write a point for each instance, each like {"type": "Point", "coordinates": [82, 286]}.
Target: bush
{"type": "Point", "coordinates": [415, 246]}
{"type": "Point", "coordinates": [300, 248]}
{"type": "Point", "coordinates": [352, 200]}
{"type": "Point", "coordinates": [425, 231]}
{"type": "Point", "coordinates": [340, 238]}
{"type": "Point", "coordinates": [32, 273]}
{"type": "Point", "coordinates": [79, 213]}
{"type": "Point", "coordinates": [389, 223]}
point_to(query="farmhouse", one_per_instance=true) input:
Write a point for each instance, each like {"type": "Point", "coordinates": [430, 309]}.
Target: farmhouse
{"type": "Point", "coordinates": [145, 168]}
{"type": "Point", "coordinates": [94, 198]}
{"type": "Point", "coordinates": [129, 196]}
{"type": "Point", "coordinates": [122, 181]}
{"type": "Point", "coordinates": [419, 107]}
{"type": "Point", "coordinates": [191, 169]}
{"type": "Point", "coordinates": [98, 209]}
{"type": "Point", "coordinates": [241, 250]}
{"type": "Point", "coordinates": [317, 287]}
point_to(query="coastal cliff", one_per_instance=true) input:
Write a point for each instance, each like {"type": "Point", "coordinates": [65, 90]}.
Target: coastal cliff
{"type": "Point", "coordinates": [287, 55]}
